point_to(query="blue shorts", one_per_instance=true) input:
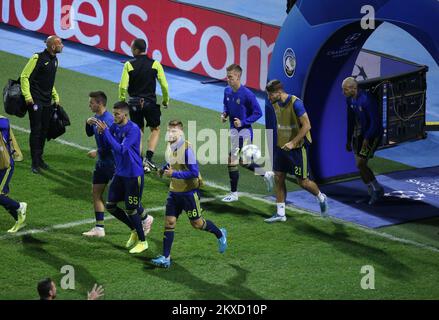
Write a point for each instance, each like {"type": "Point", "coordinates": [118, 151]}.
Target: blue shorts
{"type": "Point", "coordinates": [185, 201]}
{"type": "Point", "coordinates": [5, 178]}
{"type": "Point", "coordinates": [103, 172]}
{"type": "Point", "coordinates": [126, 189]}
{"type": "Point", "coordinates": [295, 162]}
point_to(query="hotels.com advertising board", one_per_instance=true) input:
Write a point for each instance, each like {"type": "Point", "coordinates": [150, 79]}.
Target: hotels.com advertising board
{"type": "Point", "coordinates": [178, 35]}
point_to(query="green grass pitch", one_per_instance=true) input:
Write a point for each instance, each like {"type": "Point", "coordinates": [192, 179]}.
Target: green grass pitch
{"type": "Point", "coordinates": [305, 258]}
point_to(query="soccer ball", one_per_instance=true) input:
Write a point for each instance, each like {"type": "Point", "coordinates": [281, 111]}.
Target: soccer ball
{"type": "Point", "coordinates": [251, 153]}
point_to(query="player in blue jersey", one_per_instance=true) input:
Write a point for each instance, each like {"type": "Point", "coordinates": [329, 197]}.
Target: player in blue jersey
{"type": "Point", "coordinates": [16, 209]}
{"type": "Point", "coordinates": [183, 195]}
{"type": "Point", "coordinates": [124, 138]}
{"type": "Point", "coordinates": [290, 154]}
{"type": "Point", "coordinates": [242, 109]}
{"type": "Point", "coordinates": [104, 167]}
{"type": "Point", "coordinates": [364, 134]}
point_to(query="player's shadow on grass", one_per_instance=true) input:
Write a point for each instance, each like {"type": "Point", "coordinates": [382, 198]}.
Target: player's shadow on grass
{"type": "Point", "coordinates": [70, 186]}
{"type": "Point", "coordinates": [34, 248]}
{"type": "Point", "coordinates": [340, 240]}
{"type": "Point", "coordinates": [234, 288]}
{"type": "Point", "coordinates": [219, 208]}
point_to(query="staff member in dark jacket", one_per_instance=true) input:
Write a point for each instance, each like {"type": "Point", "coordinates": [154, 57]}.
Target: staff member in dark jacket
{"type": "Point", "coordinates": [139, 78]}
{"type": "Point", "coordinates": [364, 133]}
{"type": "Point", "coordinates": [37, 86]}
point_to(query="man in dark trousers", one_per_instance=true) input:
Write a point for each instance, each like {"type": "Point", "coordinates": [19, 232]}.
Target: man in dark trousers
{"type": "Point", "coordinates": [138, 79]}
{"type": "Point", "coordinates": [364, 133]}
{"type": "Point", "coordinates": [37, 85]}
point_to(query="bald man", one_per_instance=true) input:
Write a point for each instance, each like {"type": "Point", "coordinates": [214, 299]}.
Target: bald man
{"type": "Point", "coordinates": [364, 133]}
{"type": "Point", "coordinates": [37, 86]}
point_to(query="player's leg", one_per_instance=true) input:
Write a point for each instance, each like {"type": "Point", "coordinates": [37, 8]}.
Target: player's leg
{"type": "Point", "coordinates": [281, 165]}
{"type": "Point", "coordinates": [152, 116]}
{"type": "Point", "coordinates": [173, 210]}
{"type": "Point", "coordinates": [115, 195]}
{"type": "Point", "coordinates": [45, 124]}
{"type": "Point", "coordinates": [192, 207]}
{"type": "Point", "coordinates": [99, 207]}
{"type": "Point", "coordinates": [300, 161]}
{"type": "Point", "coordinates": [147, 219]}
{"type": "Point", "coordinates": [35, 119]}
{"type": "Point", "coordinates": [133, 187]}
{"type": "Point", "coordinates": [375, 190]}
{"type": "Point", "coordinates": [16, 209]}
{"type": "Point", "coordinates": [102, 175]}
{"type": "Point", "coordinates": [232, 167]}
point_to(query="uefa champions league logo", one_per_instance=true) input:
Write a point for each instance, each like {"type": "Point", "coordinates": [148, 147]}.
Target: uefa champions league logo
{"type": "Point", "coordinates": [289, 62]}
{"type": "Point", "coordinates": [404, 194]}
{"type": "Point", "coordinates": [431, 187]}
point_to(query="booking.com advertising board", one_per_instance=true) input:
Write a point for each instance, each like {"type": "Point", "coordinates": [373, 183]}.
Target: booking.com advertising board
{"type": "Point", "coordinates": [178, 35]}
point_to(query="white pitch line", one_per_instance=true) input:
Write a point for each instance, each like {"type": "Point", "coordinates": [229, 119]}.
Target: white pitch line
{"type": "Point", "coordinates": [77, 223]}
{"type": "Point", "coordinates": [245, 194]}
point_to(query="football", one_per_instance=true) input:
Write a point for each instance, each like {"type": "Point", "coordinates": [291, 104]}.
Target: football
{"type": "Point", "coordinates": [251, 153]}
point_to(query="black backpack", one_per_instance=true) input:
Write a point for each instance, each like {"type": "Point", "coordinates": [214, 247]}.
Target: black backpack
{"type": "Point", "coordinates": [59, 120]}
{"type": "Point", "coordinates": [13, 99]}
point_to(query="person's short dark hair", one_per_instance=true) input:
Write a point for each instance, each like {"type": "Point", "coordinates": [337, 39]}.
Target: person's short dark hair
{"type": "Point", "coordinates": [99, 96]}
{"type": "Point", "coordinates": [44, 287]}
{"type": "Point", "coordinates": [234, 67]}
{"type": "Point", "coordinates": [140, 45]}
{"type": "Point", "coordinates": [175, 123]}
{"type": "Point", "coordinates": [274, 85]}
{"type": "Point", "coordinates": [121, 105]}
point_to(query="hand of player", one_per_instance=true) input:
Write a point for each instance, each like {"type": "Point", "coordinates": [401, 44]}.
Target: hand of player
{"type": "Point", "coordinates": [30, 102]}
{"type": "Point", "coordinates": [289, 145]}
{"type": "Point", "coordinates": [348, 147]}
{"type": "Point", "coordinates": [224, 117]}
{"type": "Point", "coordinates": [101, 125]}
{"type": "Point", "coordinates": [91, 121]}
{"type": "Point", "coordinates": [165, 105]}
{"type": "Point", "coordinates": [237, 123]}
{"type": "Point", "coordinates": [92, 154]}
{"type": "Point", "coordinates": [168, 172]}
{"type": "Point", "coordinates": [95, 293]}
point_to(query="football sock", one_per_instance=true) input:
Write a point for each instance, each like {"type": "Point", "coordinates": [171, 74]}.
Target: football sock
{"type": "Point", "coordinates": [168, 239]}
{"type": "Point", "coordinates": [320, 197]}
{"type": "Point", "coordinates": [209, 226]}
{"type": "Point", "coordinates": [119, 214]}
{"type": "Point", "coordinates": [234, 177]}
{"type": "Point", "coordinates": [142, 212]}
{"type": "Point", "coordinates": [281, 208]}
{"type": "Point", "coordinates": [10, 205]}
{"type": "Point", "coordinates": [375, 185]}
{"type": "Point", "coordinates": [149, 154]}
{"type": "Point", "coordinates": [99, 219]}
{"type": "Point", "coordinates": [137, 223]}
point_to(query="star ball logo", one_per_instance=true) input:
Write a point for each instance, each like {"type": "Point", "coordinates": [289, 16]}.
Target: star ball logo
{"type": "Point", "coordinates": [289, 62]}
